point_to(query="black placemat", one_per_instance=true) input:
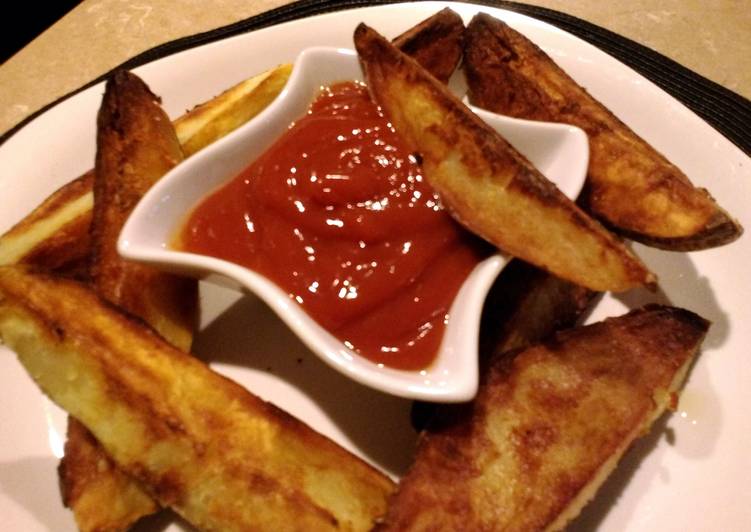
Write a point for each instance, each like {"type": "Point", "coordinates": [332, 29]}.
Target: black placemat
{"type": "Point", "coordinates": [726, 111]}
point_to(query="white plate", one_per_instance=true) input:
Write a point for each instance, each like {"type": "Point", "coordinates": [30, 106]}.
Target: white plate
{"type": "Point", "coordinates": [691, 473]}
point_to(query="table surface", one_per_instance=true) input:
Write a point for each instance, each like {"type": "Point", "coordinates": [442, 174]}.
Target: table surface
{"type": "Point", "coordinates": [711, 38]}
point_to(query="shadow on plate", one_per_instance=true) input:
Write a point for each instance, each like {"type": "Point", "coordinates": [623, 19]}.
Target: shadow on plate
{"type": "Point", "coordinates": [681, 284]}
{"type": "Point", "coordinates": [31, 482]}
{"type": "Point", "coordinates": [162, 520]}
{"type": "Point", "coordinates": [248, 334]}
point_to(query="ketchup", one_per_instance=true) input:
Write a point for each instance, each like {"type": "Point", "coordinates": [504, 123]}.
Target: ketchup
{"type": "Point", "coordinates": [337, 214]}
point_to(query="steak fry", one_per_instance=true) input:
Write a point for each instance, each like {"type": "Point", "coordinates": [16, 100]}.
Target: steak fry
{"type": "Point", "coordinates": [198, 442]}
{"type": "Point", "coordinates": [136, 146]}
{"type": "Point", "coordinates": [547, 426]}
{"type": "Point", "coordinates": [630, 186]}
{"type": "Point", "coordinates": [485, 183]}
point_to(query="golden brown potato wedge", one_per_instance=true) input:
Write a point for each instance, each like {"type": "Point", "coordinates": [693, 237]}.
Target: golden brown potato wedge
{"type": "Point", "coordinates": [136, 146]}
{"type": "Point", "coordinates": [55, 235]}
{"type": "Point", "coordinates": [435, 43]}
{"type": "Point", "coordinates": [630, 186]}
{"type": "Point", "coordinates": [100, 495]}
{"type": "Point", "coordinates": [200, 443]}
{"type": "Point", "coordinates": [485, 183]}
{"type": "Point", "coordinates": [547, 426]}
{"type": "Point", "coordinates": [210, 121]}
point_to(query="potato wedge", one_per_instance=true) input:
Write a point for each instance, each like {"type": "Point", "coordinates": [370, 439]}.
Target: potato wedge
{"type": "Point", "coordinates": [525, 306]}
{"type": "Point", "coordinates": [547, 426]}
{"type": "Point", "coordinates": [485, 183]}
{"type": "Point", "coordinates": [101, 496]}
{"type": "Point", "coordinates": [435, 43]}
{"type": "Point", "coordinates": [200, 443]}
{"type": "Point", "coordinates": [55, 235]}
{"type": "Point", "coordinates": [210, 121]}
{"type": "Point", "coordinates": [136, 146]}
{"type": "Point", "coordinates": [630, 187]}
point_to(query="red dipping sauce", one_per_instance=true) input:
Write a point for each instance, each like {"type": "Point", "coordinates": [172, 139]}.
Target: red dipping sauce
{"type": "Point", "coordinates": [338, 215]}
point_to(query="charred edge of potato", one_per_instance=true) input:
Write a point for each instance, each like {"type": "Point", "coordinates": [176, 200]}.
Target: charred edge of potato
{"type": "Point", "coordinates": [486, 184]}
{"type": "Point", "coordinates": [720, 230]}
{"type": "Point", "coordinates": [136, 146]}
{"type": "Point", "coordinates": [220, 456]}
{"type": "Point", "coordinates": [548, 425]}
{"type": "Point", "coordinates": [100, 495]}
{"type": "Point", "coordinates": [435, 43]}
{"type": "Point", "coordinates": [631, 187]}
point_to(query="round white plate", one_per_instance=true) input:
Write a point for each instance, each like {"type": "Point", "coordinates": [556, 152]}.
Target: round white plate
{"type": "Point", "coordinates": [690, 473]}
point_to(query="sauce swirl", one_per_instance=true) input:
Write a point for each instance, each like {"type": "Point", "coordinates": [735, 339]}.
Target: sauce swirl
{"type": "Point", "coordinates": [338, 215]}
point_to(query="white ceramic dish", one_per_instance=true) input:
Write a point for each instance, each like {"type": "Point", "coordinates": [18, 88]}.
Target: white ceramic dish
{"type": "Point", "coordinates": [559, 151]}
{"type": "Point", "coordinates": [690, 473]}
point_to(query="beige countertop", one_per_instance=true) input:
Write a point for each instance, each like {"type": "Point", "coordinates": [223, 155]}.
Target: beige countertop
{"type": "Point", "coordinates": [711, 38]}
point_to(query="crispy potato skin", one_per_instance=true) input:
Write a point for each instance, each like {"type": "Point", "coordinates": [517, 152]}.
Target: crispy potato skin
{"type": "Point", "coordinates": [136, 146]}
{"type": "Point", "coordinates": [435, 43]}
{"type": "Point", "coordinates": [200, 443]}
{"type": "Point", "coordinates": [485, 183]}
{"type": "Point", "coordinates": [547, 426]}
{"type": "Point", "coordinates": [103, 497]}
{"type": "Point", "coordinates": [630, 186]}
